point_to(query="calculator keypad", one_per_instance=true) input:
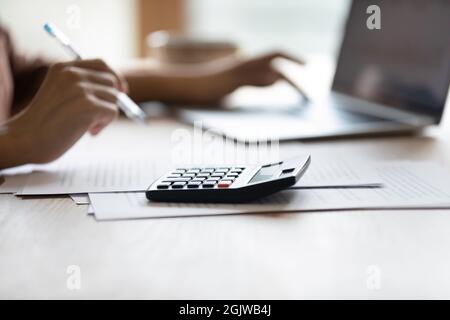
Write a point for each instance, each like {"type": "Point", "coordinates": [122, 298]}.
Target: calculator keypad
{"type": "Point", "coordinates": [195, 178]}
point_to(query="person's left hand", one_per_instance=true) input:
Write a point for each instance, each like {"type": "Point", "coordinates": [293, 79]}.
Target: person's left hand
{"type": "Point", "coordinates": [233, 73]}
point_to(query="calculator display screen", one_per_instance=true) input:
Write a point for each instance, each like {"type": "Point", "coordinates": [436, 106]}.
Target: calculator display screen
{"type": "Point", "coordinates": [265, 174]}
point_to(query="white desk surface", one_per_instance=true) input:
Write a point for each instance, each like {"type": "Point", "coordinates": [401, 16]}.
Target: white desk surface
{"type": "Point", "coordinates": [358, 254]}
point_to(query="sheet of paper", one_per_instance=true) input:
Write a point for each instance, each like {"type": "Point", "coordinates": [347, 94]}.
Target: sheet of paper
{"type": "Point", "coordinates": [13, 180]}
{"type": "Point", "coordinates": [12, 184]}
{"type": "Point", "coordinates": [89, 176]}
{"type": "Point", "coordinates": [339, 174]}
{"type": "Point", "coordinates": [80, 199]}
{"type": "Point", "coordinates": [124, 175]}
{"type": "Point", "coordinates": [407, 186]}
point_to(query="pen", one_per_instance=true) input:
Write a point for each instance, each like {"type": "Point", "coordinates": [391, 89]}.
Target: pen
{"type": "Point", "coordinates": [128, 106]}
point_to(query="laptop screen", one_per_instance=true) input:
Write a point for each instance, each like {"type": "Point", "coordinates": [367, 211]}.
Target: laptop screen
{"type": "Point", "coordinates": [406, 63]}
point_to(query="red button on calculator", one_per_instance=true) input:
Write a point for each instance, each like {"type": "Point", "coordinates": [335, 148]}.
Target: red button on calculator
{"type": "Point", "coordinates": [224, 184]}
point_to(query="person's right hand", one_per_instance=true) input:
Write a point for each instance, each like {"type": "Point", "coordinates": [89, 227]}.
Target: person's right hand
{"type": "Point", "coordinates": [74, 98]}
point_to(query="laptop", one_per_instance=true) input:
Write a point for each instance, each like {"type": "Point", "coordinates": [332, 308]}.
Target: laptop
{"type": "Point", "coordinates": [394, 79]}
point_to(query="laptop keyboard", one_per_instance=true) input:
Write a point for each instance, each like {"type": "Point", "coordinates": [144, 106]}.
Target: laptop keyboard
{"type": "Point", "coordinates": [351, 117]}
{"type": "Point", "coordinates": [337, 116]}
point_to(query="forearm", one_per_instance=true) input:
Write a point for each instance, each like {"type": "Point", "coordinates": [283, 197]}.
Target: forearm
{"type": "Point", "coordinates": [191, 85]}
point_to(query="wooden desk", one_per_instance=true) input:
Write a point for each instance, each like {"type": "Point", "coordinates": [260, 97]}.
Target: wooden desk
{"type": "Point", "coordinates": [314, 255]}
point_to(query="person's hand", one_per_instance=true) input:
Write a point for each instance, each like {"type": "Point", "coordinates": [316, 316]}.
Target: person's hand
{"type": "Point", "coordinates": [74, 98]}
{"type": "Point", "coordinates": [259, 71]}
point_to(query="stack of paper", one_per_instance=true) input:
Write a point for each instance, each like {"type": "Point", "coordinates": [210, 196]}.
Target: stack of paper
{"type": "Point", "coordinates": [114, 188]}
{"type": "Point", "coordinates": [121, 175]}
{"type": "Point", "coordinates": [78, 177]}
{"type": "Point", "coordinates": [407, 186]}
{"type": "Point", "coordinates": [85, 176]}
{"type": "Point", "coordinates": [13, 180]}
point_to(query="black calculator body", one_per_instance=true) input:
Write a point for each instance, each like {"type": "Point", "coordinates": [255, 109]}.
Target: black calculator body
{"type": "Point", "coordinates": [228, 184]}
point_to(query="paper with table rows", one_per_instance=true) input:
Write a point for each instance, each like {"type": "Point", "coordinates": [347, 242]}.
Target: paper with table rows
{"type": "Point", "coordinates": [128, 175]}
{"type": "Point", "coordinates": [407, 185]}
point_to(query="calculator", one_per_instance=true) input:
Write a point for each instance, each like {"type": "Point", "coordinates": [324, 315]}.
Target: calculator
{"type": "Point", "coordinates": [227, 184]}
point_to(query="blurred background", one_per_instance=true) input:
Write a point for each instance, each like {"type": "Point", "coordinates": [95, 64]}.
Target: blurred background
{"type": "Point", "coordinates": [117, 29]}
